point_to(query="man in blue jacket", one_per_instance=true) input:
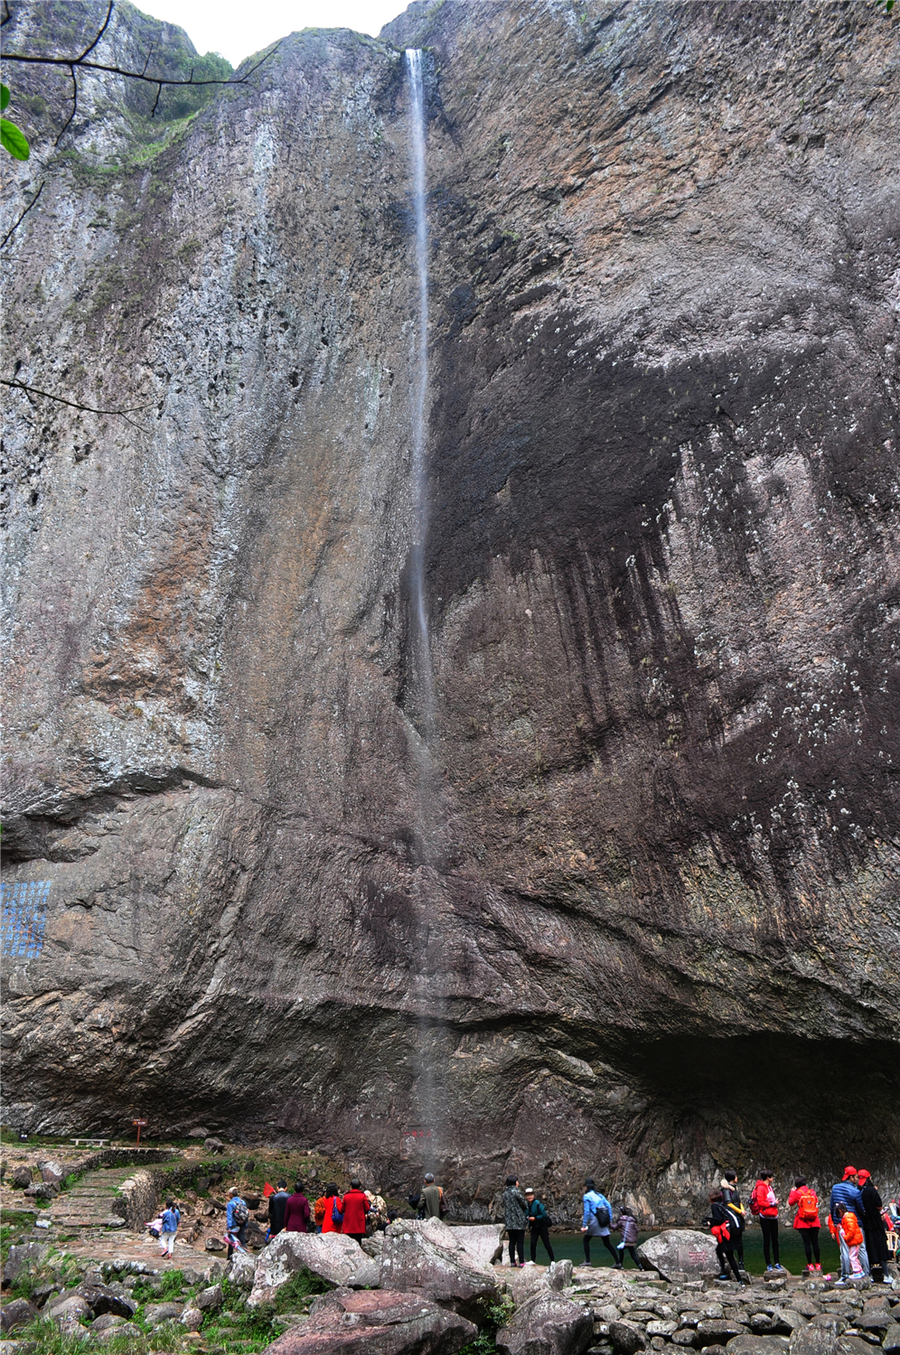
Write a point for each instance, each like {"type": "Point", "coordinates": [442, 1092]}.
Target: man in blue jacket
{"type": "Point", "coordinates": [846, 1193]}
{"type": "Point", "coordinates": [596, 1220]}
{"type": "Point", "coordinates": [236, 1218]}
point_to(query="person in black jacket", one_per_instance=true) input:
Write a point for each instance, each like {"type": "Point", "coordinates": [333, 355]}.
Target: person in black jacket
{"type": "Point", "coordinates": [731, 1198]}
{"type": "Point", "coordinates": [721, 1225]}
{"type": "Point", "coordinates": [277, 1202]}
{"type": "Point", "coordinates": [873, 1227]}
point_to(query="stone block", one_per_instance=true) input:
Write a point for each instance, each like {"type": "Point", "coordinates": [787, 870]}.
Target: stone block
{"type": "Point", "coordinates": [17, 1313]}
{"type": "Point", "coordinates": [679, 1251]}
{"type": "Point", "coordinates": [376, 1322]}
{"type": "Point", "coordinates": [332, 1256]}
{"type": "Point", "coordinates": [424, 1255]}
{"type": "Point", "coordinates": [547, 1324]}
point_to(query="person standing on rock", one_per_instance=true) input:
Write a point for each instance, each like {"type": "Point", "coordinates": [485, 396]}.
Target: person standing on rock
{"type": "Point", "coordinates": [297, 1211]}
{"type": "Point", "coordinates": [626, 1224]}
{"type": "Point", "coordinates": [596, 1219]}
{"type": "Point", "coordinates": [354, 1207]}
{"type": "Point", "coordinates": [324, 1207]}
{"type": "Point", "coordinates": [277, 1202]}
{"type": "Point", "coordinates": [731, 1198]}
{"type": "Point", "coordinates": [431, 1199]}
{"type": "Point", "coordinates": [515, 1217]}
{"type": "Point", "coordinates": [807, 1221]}
{"type": "Point", "coordinates": [237, 1216]}
{"type": "Point", "coordinates": [873, 1227]}
{"type": "Point", "coordinates": [170, 1220]}
{"type": "Point", "coordinates": [845, 1194]}
{"type": "Point", "coordinates": [764, 1204]}
{"type": "Point", "coordinates": [539, 1223]}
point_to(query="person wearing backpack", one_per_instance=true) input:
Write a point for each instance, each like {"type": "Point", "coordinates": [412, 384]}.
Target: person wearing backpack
{"type": "Point", "coordinates": [807, 1221]}
{"type": "Point", "coordinates": [354, 1207]}
{"type": "Point", "coordinates": [539, 1223]}
{"type": "Point", "coordinates": [237, 1216]}
{"type": "Point", "coordinates": [277, 1202]}
{"type": "Point", "coordinates": [875, 1230]}
{"type": "Point", "coordinates": [731, 1198]}
{"type": "Point", "coordinates": [626, 1224]}
{"type": "Point", "coordinates": [845, 1194]}
{"type": "Point", "coordinates": [171, 1218]}
{"type": "Point", "coordinates": [596, 1220]}
{"type": "Point", "coordinates": [719, 1223]}
{"type": "Point", "coordinates": [323, 1210]}
{"type": "Point", "coordinates": [764, 1206]}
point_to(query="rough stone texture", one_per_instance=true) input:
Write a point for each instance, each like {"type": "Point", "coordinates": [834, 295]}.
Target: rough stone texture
{"type": "Point", "coordinates": [482, 1242]}
{"type": "Point", "coordinates": [376, 1322]}
{"type": "Point", "coordinates": [426, 1257]}
{"type": "Point", "coordinates": [559, 1274]}
{"type": "Point", "coordinates": [331, 1255]}
{"type": "Point", "coordinates": [242, 1270]}
{"type": "Point", "coordinates": [626, 1339]}
{"type": "Point", "coordinates": [679, 1251]}
{"type": "Point", "coordinates": [547, 1324]}
{"type": "Point", "coordinates": [101, 1298]}
{"type": "Point", "coordinates": [660, 832]}
{"type": "Point", "coordinates": [22, 1259]}
{"type": "Point", "coordinates": [17, 1313]}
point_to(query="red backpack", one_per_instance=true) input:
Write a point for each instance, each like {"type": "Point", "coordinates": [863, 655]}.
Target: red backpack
{"type": "Point", "coordinates": [757, 1203]}
{"type": "Point", "coordinates": [808, 1206]}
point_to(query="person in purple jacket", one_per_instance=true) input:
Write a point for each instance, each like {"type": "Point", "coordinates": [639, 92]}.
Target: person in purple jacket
{"type": "Point", "coordinates": [626, 1224]}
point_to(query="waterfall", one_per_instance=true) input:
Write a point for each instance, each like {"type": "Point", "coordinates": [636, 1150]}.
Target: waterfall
{"type": "Point", "coordinates": [427, 1003]}
{"type": "Point", "coordinates": [421, 643]}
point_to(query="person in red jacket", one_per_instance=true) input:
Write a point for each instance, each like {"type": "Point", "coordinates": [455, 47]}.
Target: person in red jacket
{"type": "Point", "coordinates": [329, 1223]}
{"type": "Point", "coordinates": [853, 1239]}
{"type": "Point", "coordinates": [806, 1220]}
{"type": "Point", "coordinates": [354, 1207]}
{"type": "Point", "coordinates": [764, 1204]}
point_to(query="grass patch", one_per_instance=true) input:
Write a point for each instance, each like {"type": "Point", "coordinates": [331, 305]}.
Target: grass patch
{"type": "Point", "coordinates": [496, 1315]}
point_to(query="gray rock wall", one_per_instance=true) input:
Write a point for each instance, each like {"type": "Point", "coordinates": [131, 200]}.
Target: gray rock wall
{"type": "Point", "coordinates": [636, 907]}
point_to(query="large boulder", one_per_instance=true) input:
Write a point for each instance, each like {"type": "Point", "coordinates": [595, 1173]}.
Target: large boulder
{"type": "Point", "coordinates": [332, 1256]}
{"type": "Point", "coordinates": [376, 1322]}
{"type": "Point", "coordinates": [17, 1314]}
{"type": "Point", "coordinates": [679, 1251]}
{"type": "Point", "coordinates": [102, 1298]}
{"type": "Point", "coordinates": [481, 1241]}
{"type": "Point", "coordinates": [424, 1255]}
{"type": "Point", "coordinates": [24, 1259]}
{"type": "Point", "coordinates": [547, 1324]}
{"type": "Point", "coordinates": [626, 1339]}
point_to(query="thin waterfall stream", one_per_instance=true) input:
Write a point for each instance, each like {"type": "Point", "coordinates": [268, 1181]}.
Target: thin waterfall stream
{"type": "Point", "coordinates": [428, 1021]}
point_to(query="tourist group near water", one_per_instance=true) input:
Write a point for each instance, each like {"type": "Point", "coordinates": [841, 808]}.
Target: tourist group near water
{"type": "Point", "coordinates": [864, 1226]}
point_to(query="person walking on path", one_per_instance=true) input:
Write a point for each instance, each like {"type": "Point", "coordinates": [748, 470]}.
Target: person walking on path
{"type": "Point", "coordinates": [515, 1217]}
{"type": "Point", "coordinates": [720, 1225]}
{"type": "Point", "coordinates": [807, 1221]}
{"type": "Point", "coordinates": [845, 1194]}
{"type": "Point", "coordinates": [354, 1207]}
{"type": "Point", "coordinates": [431, 1198]}
{"type": "Point", "coordinates": [731, 1198]}
{"type": "Point", "coordinates": [237, 1216]}
{"type": "Point", "coordinates": [596, 1220]}
{"type": "Point", "coordinates": [626, 1224]}
{"type": "Point", "coordinates": [171, 1218]}
{"type": "Point", "coordinates": [764, 1204]}
{"type": "Point", "coordinates": [297, 1211]}
{"type": "Point", "coordinates": [277, 1201]}
{"type": "Point", "coordinates": [539, 1223]}
{"type": "Point", "coordinates": [874, 1229]}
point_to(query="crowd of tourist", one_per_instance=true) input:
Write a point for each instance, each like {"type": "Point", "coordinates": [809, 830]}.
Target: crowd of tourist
{"type": "Point", "coordinates": [865, 1228]}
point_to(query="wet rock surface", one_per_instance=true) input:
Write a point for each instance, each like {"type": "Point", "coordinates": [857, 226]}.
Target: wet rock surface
{"type": "Point", "coordinates": [661, 577]}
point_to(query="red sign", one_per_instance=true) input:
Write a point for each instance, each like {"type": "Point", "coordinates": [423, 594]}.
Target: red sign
{"type": "Point", "coordinates": [141, 1123]}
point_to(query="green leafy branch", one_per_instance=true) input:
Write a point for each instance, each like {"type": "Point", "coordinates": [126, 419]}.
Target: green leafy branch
{"type": "Point", "coordinates": [12, 137]}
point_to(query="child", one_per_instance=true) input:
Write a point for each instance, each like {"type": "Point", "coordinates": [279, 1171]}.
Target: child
{"type": "Point", "coordinates": [626, 1224]}
{"type": "Point", "coordinates": [170, 1221]}
{"type": "Point", "coordinates": [853, 1239]}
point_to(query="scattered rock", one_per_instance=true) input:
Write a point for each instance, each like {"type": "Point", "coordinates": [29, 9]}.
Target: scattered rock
{"type": "Point", "coordinates": [155, 1313]}
{"type": "Point", "coordinates": [209, 1300]}
{"type": "Point", "coordinates": [547, 1324]}
{"type": "Point", "coordinates": [192, 1319]}
{"type": "Point", "coordinates": [214, 1145]}
{"type": "Point", "coordinates": [717, 1332]}
{"type": "Point", "coordinates": [243, 1268]}
{"type": "Point", "coordinates": [215, 1244]}
{"type": "Point", "coordinates": [20, 1178]}
{"type": "Point", "coordinates": [626, 1339]}
{"type": "Point", "coordinates": [373, 1246]}
{"type": "Point", "coordinates": [756, 1345]}
{"type": "Point", "coordinates": [51, 1171]}
{"type": "Point", "coordinates": [23, 1259]}
{"type": "Point", "coordinates": [892, 1338]}
{"type": "Point", "coordinates": [198, 1133]}
{"type": "Point", "coordinates": [67, 1309]}
{"type": "Point", "coordinates": [375, 1322]}
{"type": "Point", "coordinates": [423, 1255]}
{"type": "Point", "coordinates": [102, 1298]}
{"type": "Point", "coordinates": [106, 1322]}
{"type": "Point", "coordinates": [559, 1275]}
{"type": "Point", "coordinates": [332, 1256]}
{"type": "Point", "coordinates": [16, 1314]}
{"type": "Point", "coordinates": [679, 1251]}
{"type": "Point", "coordinates": [112, 1333]}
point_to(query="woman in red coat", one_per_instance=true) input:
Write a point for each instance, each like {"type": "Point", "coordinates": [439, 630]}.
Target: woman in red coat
{"type": "Point", "coordinates": [806, 1220]}
{"type": "Point", "coordinates": [355, 1207]}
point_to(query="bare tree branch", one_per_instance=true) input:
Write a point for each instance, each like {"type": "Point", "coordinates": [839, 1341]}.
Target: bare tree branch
{"type": "Point", "coordinates": [72, 61]}
{"type": "Point", "coordinates": [100, 34]}
{"type": "Point", "coordinates": [22, 217]}
{"type": "Point", "coordinates": [29, 391]}
{"type": "Point", "coordinates": [71, 116]}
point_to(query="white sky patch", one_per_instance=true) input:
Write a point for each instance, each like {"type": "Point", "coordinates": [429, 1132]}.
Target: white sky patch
{"type": "Point", "coordinates": [238, 28]}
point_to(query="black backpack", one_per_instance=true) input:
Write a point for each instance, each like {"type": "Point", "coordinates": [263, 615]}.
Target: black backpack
{"type": "Point", "coordinates": [601, 1214]}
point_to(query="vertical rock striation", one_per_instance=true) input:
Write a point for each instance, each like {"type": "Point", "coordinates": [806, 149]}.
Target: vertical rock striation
{"type": "Point", "coordinates": [660, 919]}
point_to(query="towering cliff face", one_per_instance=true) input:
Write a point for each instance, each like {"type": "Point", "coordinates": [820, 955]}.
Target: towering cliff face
{"type": "Point", "coordinates": [635, 904]}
